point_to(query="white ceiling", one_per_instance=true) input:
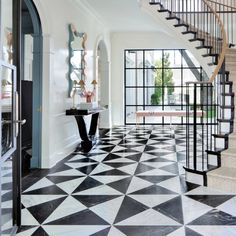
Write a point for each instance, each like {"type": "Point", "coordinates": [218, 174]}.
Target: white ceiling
{"type": "Point", "coordinates": [122, 15]}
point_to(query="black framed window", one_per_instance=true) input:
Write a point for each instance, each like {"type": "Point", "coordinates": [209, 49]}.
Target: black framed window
{"type": "Point", "coordinates": [155, 79]}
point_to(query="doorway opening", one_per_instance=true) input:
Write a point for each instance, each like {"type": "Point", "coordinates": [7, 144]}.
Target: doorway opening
{"type": "Point", "coordinates": [103, 85]}
{"type": "Point", "coordinates": [31, 84]}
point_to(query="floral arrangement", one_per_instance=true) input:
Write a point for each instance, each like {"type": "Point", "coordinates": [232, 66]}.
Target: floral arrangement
{"type": "Point", "coordinates": [89, 95]}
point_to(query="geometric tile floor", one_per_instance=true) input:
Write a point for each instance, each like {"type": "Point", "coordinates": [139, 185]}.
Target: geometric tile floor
{"type": "Point", "coordinates": [132, 183]}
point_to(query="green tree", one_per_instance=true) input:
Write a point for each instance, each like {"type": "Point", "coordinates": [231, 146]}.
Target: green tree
{"type": "Point", "coordinates": [167, 74]}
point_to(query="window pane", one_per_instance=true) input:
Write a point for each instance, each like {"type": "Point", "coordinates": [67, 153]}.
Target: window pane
{"type": "Point", "coordinates": [134, 96]}
{"type": "Point", "coordinates": [134, 77]}
{"type": "Point", "coordinates": [172, 58]}
{"type": "Point", "coordinates": [153, 58]}
{"type": "Point", "coordinates": [134, 59]}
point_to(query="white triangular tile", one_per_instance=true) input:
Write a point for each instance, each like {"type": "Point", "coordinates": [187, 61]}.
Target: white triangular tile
{"type": "Point", "coordinates": [212, 230]}
{"type": "Point", "coordinates": [146, 157]}
{"type": "Point", "coordinates": [151, 141]}
{"type": "Point", "coordinates": [115, 232]}
{"type": "Point", "coordinates": [115, 142]}
{"type": "Point", "coordinates": [79, 164]}
{"type": "Point", "coordinates": [170, 157]}
{"type": "Point", "coordinates": [44, 182]}
{"type": "Point", "coordinates": [157, 172]}
{"type": "Point", "coordinates": [195, 209]}
{"type": "Point", "coordinates": [27, 218]}
{"type": "Point", "coordinates": [33, 200]}
{"type": "Point", "coordinates": [73, 230]}
{"type": "Point", "coordinates": [120, 160]}
{"type": "Point", "coordinates": [71, 172]}
{"type": "Point", "coordinates": [101, 168]}
{"type": "Point", "coordinates": [178, 232]}
{"type": "Point", "coordinates": [97, 150]}
{"type": "Point", "coordinates": [118, 148]}
{"type": "Point", "coordinates": [137, 184]}
{"type": "Point", "coordinates": [158, 164]}
{"type": "Point", "coordinates": [227, 207]}
{"type": "Point", "coordinates": [104, 146]}
{"type": "Point", "coordinates": [77, 157]}
{"type": "Point", "coordinates": [67, 207]}
{"type": "Point", "coordinates": [149, 217]}
{"type": "Point", "coordinates": [139, 149]}
{"type": "Point", "coordinates": [152, 200]}
{"type": "Point", "coordinates": [125, 154]}
{"type": "Point", "coordinates": [71, 185]}
{"type": "Point", "coordinates": [129, 169]}
{"type": "Point", "coordinates": [172, 184]}
{"type": "Point", "coordinates": [105, 179]}
{"type": "Point", "coordinates": [99, 158]}
{"type": "Point", "coordinates": [108, 210]}
{"type": "Point", "coordinates": [100, 190]}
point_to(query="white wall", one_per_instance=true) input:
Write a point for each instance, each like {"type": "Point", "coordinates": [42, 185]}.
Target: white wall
{"type": "Point", "coordinates": [136, 40]}
{"type": "Point", "coordinates": [60, 133]}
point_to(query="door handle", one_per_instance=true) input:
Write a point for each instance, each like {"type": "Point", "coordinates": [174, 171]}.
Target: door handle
{"type": "Point", "coordinates": [21, 122]}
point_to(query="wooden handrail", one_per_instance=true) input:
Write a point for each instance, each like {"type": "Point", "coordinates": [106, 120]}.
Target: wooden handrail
{"type": "Point", "coordinates": [224, 44]}
{"type": "Point", "coordinates": [221, 4]}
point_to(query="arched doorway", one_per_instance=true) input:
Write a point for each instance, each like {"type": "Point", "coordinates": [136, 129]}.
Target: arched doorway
{"type": "Point", "coordinates": [31, 86]}
{"type": "Point", "coordinates": [103, 89]}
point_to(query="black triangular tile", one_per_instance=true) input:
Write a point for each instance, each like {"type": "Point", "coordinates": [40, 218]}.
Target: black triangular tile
{"type": "Point", "coordinates": [173, 209]}
{"type": "Point", "coordinates": [87, 184]}
{"type": "Point", "coordinates": [121, 185]}
{"type": "Point", "coordinates": [95, 154]}
{"type": "Point", "coordinates": [43, 210]}
{"type": "Point", "coordinates": [135, 157]}
{"type": "Point", "coordinates": [111, 157]}
{"type": "Point", "coordinates": [103, 232]}
{"type": "Point", "coordinates": [61, 179]}
{"type": "Point", "coordinates": [47, 190]}
{"type": "Point", "coordinates": [158, 159]}
{"type": "Point", "coordinates": [155, 178]}
{"type": "Point", "coordinates": [108, 149]}
{"type": "Point", "coordinates": [119, 164]}
{"type": "Point", "coordinates": [84, 160]}
{"type": "Point", "coordinates": [149, 148]}
{"type": "Point", "coordinates": [147, 230]}
{"type": "Point", "coordinates": [173, 168]}
{"type": "Point", "coordinates": [154, 189]}
{"type": "Point", "coordinates": [112, 172]}
{"type": "Point", "coordinates": [24, 228]}
{"type": "Point", "coordinates": [130, 146]}
{"type": "Point", "coordinates": [141, 168]}
{"type": "Point", "coordinates": [211, 200]}
{"type": "Point", "coordinates": [40, 232]}
{"type": "Point", "coordinates": [85, 217]}
{"type": "Point", "coordinates": [143, 142]}
{"type": "Point", "coordinates": [190, 232]}
{"type": "Point", "coordinates": [157, 153]}
{"type": "Point", "coordinates": [128, 208]}
{"type": "Point", "coordinates": [215, 217]}
{"type": "Point", "coordinates": [87, 169]}
{"type": "Point", "coordinates": [59, 168]}
{"type": "Point", "coordinates": [93, 200]}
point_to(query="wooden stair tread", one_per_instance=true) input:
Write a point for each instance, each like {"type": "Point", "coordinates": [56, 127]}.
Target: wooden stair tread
{"type": "Point", "coordinates": [224, 172]}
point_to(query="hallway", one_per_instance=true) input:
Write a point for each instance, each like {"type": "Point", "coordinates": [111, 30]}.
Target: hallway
{"type": "Point", "coordinates": [131, 183]}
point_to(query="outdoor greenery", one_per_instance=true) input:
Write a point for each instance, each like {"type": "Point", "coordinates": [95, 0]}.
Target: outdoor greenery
{"type": "Point", "coordinates": [167, 75]}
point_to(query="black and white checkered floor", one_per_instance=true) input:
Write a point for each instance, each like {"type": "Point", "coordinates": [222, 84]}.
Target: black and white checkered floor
{"type": "Point", "coordinates": [132, 183]}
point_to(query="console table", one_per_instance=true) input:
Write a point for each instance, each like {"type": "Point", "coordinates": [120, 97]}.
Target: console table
{"type": "Point", "coordinates": [88, 138]}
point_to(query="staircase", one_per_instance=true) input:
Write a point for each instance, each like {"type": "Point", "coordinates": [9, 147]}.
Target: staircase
{"type": "Point", "coordinates": [224, 177]}
{"type": "Point", "coordinates": [208, 42]}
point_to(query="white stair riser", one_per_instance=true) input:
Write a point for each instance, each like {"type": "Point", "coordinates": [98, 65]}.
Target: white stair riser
{"type": "Point", "coordinates": [222, 183]}
{"type": "Point", "coordinates": [212, 160]}
{"type": "Point", "coordinates": [226, 88]}
{"type": "Point", "coordinates": [227, 113]}
{"type": "Point", "coordinates": [219, 142]}
{"type": "Point", "coordinates": [194, 178]}
{"type": "Point", "coordinates": [227, 100]}
{"type": "Point", "coordinates": [224, 127]}
{"type": "Point", "coordinates": [228, 161]}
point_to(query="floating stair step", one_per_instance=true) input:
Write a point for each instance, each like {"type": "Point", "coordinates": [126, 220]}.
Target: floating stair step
{"type": "Point", "coordinates": [227, 82]}
{"type": "Point", "coordinates": [197, 39]}
{"type": "Point", "coordinates": [189, 32]}
{"type": "Point", "coordinates": [164, 10]}
{"type": "Point", "coordinates": [212, 64]}
{"type": "Point", "coordinates": [155, 3]}
{"type": "Point", "coordinates": [181, 24]}
{"type": "Point", "coordinates": [204, 46]}
{"type": "Point", "coordinates": [210, 55]}
{"type": "Point", "coordinates": [227, 107]}
{"type": "Point", "coordinates": [216, 151]}
{"type": "Point", "coordinates": [226, 120]}
{"type": "Point", "coordinates": [220, 135]}
{"type": "Point", "coordinates": [224, 173]}
{"type": "Point", "coordinates": [228, 94]}
{"type": "Point", "coordinates": [173, 18]}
